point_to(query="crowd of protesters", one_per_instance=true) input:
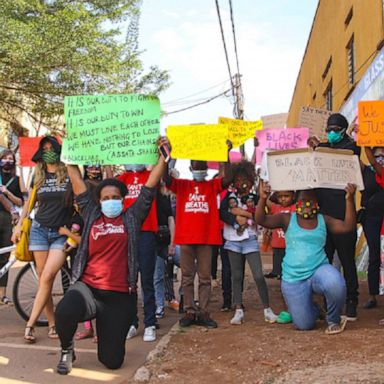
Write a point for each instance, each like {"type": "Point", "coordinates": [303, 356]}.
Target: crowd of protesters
{"type": "Point", "coordinates": [116, 226]}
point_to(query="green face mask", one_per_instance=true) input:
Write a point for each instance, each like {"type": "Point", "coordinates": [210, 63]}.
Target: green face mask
{"type": "Point", "coordinates": [50, 157]}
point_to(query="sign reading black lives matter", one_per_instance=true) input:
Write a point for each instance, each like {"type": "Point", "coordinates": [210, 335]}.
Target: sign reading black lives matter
{"type": "Point", "coordinates": [307, 169]}
{"type": "Point", "coordinates": [111, 129]}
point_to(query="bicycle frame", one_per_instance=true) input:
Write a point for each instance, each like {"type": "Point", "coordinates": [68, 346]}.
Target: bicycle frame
{"type": "Point", "coordinates": [12, 260]}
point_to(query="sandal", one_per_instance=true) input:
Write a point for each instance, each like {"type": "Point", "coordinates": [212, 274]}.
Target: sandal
{"type": "Point", "coordinates": [87, 334]}
{"type": "Point", "coordinates": [381, 322]}
{"type": "Point", "coordinates": [334, 329]}
{"type": "Point", "coordinates": [52, 334]}
{"type": "Point", "coordinates": [29, 334]}
{"type": "Point", "coordinates": [6, 301]}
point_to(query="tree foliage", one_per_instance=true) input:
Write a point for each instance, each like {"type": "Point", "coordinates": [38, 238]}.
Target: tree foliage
{"type": "Point", "coordinates": [53, 48]}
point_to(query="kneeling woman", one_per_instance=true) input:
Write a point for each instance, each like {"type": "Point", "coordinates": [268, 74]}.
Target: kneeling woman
{"type": "Point", "coordinates": [105, 267]}
{"type": "Point", "coordinates": [305, 266]}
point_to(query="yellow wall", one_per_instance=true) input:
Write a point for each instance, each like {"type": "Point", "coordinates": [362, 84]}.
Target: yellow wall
{"type": "Point", "coordinates": [330, 36]}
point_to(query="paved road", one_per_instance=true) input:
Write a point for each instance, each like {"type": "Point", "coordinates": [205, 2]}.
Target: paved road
{"type": "Point", "coordinates": [23, 363]}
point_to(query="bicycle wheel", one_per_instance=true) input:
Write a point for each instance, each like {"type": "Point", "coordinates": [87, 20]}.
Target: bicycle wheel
{"type": "Point", "coordinates": [25, 289]}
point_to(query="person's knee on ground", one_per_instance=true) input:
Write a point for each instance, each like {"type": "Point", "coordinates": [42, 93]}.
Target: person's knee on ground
{"type": "Point", "coordinates": [110, 360]}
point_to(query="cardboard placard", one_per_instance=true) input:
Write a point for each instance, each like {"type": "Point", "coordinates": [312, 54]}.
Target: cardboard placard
{"type": "Point", "coordinates": [280, 139]}
{"type": "Point", "coordinates": [315, 120]}
{"type": "Point", "coordinates": [307, 169]}
{"type": "Point", "coordinates": [234, 157]}
{"type": "Point", "coordinates": [206, 142]}
{"type": "Point", "coordinates": [111, 129]}
{"type": "Point", "coordinates": [239, 131]}
{"type": "Point", "coordinates": [371, 124]}
{"type": "Point", "coordinates": [275, 120]}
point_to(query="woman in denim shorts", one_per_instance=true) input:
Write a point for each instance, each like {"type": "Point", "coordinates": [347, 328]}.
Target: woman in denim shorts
{"type": "Point", "coordinates": [52, 183]}
{"type": "Point", "coordinates": [242, 244]}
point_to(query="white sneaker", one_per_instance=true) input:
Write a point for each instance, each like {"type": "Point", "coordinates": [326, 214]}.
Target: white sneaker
{"type": "Point", "coordinates": [132, 332]}
{"type": "Point", "coordinates": [269, 316]}
{"type": "Point", "coordinates": [238, 318]}
{"type": "Point", "coordinates": [149, 334]}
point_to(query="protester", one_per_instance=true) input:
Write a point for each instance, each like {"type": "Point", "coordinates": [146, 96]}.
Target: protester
{"type": "Point", "coordinates": [197, 229]}
{"type": "Point", "coordinates": [240, 248]}
{"type": "Point", "coordinates": [332, 203]}
{"type": "Point", "coordinates": [105, 269]}
{"type": "Point", "coordinates": [51, 181]}
{"type": "Point", "coordinates": [164, 247]}
{"type": "Point", "coordinates": [371, 217]}
{"type": "Point", "coordinates": [134, 178]}
{"type": "Point", "coordinates": [305, 266]}
{"type": "Point", "coordinates": [13, 190]}
{"type": "Point", "coordinates": [285, 204]}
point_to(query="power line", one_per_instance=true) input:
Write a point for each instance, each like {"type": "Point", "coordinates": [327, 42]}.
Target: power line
{"type": "Point", "coordinates": [225, 46]}
{"type": "Point", "coordinates": [234, 36]}
{"type": "Point", "coordinates": [201, 103]}
{"type": "Point", "coordinates": [194, 94]}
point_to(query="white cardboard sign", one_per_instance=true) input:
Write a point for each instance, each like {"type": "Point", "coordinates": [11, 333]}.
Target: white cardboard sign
{"type": "Point", "coordinates": [307, 169]}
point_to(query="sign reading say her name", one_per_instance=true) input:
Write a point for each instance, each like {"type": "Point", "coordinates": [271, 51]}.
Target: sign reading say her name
{"type": "Point", "coordinates": [315, 120]}
{"type": "Point", "coordinates": [307, 169]}
{"type": "Point", "coordinates": [206, 142]}
{"type": "Point", "coordinates": [111, 129]}
{"type": "Point", "coordinates": [280, 139]}
{"type": "Point", "coordinates": [371, 124]}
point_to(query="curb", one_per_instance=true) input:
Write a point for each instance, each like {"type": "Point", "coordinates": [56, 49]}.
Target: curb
{"type": "Point", "coordinates": [143, 373]}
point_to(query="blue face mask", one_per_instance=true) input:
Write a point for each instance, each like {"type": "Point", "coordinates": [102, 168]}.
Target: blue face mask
{"type": "Point", "coordinates": [334, 137]}
{"type": "Point", "coordinates": [199, 175]}
{"type": "Point", "coordinates": [112, 208]}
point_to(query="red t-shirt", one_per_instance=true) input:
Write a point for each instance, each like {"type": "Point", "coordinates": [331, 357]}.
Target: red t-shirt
{"type": "Point", "coordinates": [134, 181]}
{"type": "Point", "coordinates": [197, 214]}
{"type": "Point", "coordinates": [380, 179]}
{"type": "Point", "coordinates": [278, 237]}
{"type": "Point", "coordinates": [107, 266]}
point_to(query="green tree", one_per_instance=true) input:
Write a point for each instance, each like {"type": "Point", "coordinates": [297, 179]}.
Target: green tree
{"type": "Point", "coordinates": [53, 48]}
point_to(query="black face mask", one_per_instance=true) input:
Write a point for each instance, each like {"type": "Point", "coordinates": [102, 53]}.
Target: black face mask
{"type": "Point", "coordinates": [7, 165]}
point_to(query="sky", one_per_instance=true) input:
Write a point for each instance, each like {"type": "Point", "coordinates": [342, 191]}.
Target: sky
{"type": "Point", "coordinates": [184, 38]}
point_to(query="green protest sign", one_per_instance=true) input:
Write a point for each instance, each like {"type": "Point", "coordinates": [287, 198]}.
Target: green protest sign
{"type": "Point", "coordinates": [111, 129]}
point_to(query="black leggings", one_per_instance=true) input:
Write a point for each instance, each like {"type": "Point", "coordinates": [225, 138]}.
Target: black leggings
{"type": "Point", "coordinates": [114, 312]}
{"type": "Point", "coordinates": [5, 241]}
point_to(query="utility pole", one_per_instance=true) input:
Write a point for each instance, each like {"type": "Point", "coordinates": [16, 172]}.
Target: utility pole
{"type": "Point", "coordinates": [239, 105]}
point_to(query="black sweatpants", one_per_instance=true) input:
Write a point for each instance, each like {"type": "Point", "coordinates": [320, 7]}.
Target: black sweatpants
{"type": "Point", "coordinates": [113, 311]}
{"type": "Point", "coordinates": [345, 245]}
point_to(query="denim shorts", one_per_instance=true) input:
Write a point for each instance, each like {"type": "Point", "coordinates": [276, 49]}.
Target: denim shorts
{"type": "Point", "coordinates": [43, 238]}
{"type": "Point", "coordinates": [243, 246]}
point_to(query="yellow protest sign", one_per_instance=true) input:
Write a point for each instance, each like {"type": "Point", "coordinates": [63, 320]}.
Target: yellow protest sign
{"type": "Point", "coordinates": [239, 131]}
{"type": "Point", "coordinates": [199, 142]}
{"type": "Point", "coordinates": [371, 124]}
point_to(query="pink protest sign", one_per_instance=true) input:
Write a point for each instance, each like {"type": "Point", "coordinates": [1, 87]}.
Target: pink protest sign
{"type": "Point", "coordinates": [234, 157]}
{"type": "Point", "coordinates": [280, 139]}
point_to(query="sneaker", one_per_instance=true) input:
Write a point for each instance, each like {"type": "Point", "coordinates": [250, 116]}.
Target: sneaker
{"type": "Point", "coordinates": [270, 275]}
{"type": "Point", "coordinates": [238, 318]}
{"type": "Point", "coordinates": [66, 360]}
{"type": "Point", "coordinates": [132, 332]}
{"type": "Point", "coordinates": [269, 316]}
{"type": "Point", "coordinates": [188, 320]}
{"type": "Point", "coordinates": [225, 308]}
{"type": "Point", "coordinates": [205, 321]}
{"type": "Point", "coordinates": [351, 311]}
{"type": "Point", "coordinates": [173, 304]}
{"type": "Point", "coordinates": [284, 318]}
{"type": "Point", "coordinates": [160, 313]}
{"type": "Point", "coordinates": [149, 333]}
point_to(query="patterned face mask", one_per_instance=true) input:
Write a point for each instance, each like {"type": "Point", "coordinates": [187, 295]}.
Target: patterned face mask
{"type": "Point", "coordinates": [50, 157]}
{"type": "Point", "coordinates": [307, 209]}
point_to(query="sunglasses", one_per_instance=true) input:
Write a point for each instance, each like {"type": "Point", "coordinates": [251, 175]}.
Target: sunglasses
{"type": "Point", "coordinates": [334, 128]}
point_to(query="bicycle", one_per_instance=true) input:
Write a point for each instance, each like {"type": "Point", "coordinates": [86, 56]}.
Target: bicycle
{"type": "Point", "coordinates": [26, 284]}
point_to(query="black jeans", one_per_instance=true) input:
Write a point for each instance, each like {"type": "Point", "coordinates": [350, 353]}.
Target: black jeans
{"type": "Point", "coordinates": [5, 241]}
{"type": "Point", "coordinates": [113, 311]}
{"type": "Point", "coordinates": [371, 227]}
{"type": "Point", "coordinates": [345, 245]}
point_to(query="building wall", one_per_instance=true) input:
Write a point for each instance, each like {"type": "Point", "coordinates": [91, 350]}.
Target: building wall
{"type": "Point", "coordinates": [329, 38]}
